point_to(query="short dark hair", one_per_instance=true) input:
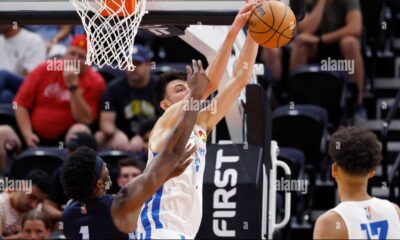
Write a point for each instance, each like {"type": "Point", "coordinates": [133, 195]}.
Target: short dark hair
{"type": "Point", "coordinates": [356, 150]}
{"type": "Point", "coordinates": [131, 161]}
{"type": "Point", "coordinates": [35, 214]}
{"type": "Point", "coordinates": [78, 174]}
{"type": "Point", "coordinates": [40, 179]}
{"type": "Point", "coordinates": [162, 82]}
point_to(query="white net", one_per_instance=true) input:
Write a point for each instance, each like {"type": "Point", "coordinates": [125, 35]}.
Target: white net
{"type": "Point", "coordinates": [111, 27]}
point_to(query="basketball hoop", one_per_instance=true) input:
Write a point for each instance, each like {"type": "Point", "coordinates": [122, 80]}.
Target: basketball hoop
{"type": "Point", "coordinates": [111, 27]}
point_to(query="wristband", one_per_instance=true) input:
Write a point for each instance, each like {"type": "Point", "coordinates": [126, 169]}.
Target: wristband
{"type": "Point", "coordinates": [73, 88]}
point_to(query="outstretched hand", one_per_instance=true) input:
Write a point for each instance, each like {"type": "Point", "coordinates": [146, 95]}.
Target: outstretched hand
{"type": "Point", "coordinates": [244, 14]}
{"type": "Point", "coordinates": [197, 79]}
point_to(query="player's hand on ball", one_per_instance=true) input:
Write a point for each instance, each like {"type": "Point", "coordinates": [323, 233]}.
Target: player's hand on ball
{"type": "Point", "coordinates": [184, 161]}
{"type": "Point", "coordinates": [197, 79]}
{"type": "Point", "coordinates": [244, 14]}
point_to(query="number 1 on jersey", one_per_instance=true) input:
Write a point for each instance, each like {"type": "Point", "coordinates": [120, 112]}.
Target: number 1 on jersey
{"type": "Point", "coordinates": [85, 232]}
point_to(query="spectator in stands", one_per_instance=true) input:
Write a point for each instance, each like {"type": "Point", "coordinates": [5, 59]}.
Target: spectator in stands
{"type": "Point", "coordinates": [53, 34]}
{"type": "Point", "coordinates": [59, 96]}
{"type": "Point", "coordinates": [128, 169]}
{"type": "Point", "coordinates": [9, 141]}
{"type": "Point", "coordinates": [21, 51]}
{"type": "Point", "coordinates": [127, 102]}
{"type": "Point", "coordinates": [15, 202]}
{"type": "Point", "coordinates": [53, 205]}
{"type": "Point", "coordinates": [35, 226]}
{"type": "Point", "coordinates": [331, 27]}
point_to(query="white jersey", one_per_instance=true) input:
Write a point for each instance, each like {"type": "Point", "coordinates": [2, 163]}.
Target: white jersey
{"type": "Point", "coordinates": [176, 209]}
{"type": "Point", "coordinates": [370, 219]}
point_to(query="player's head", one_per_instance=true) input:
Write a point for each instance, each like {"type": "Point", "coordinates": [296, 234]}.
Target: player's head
{"type": "Point", "coordinates": [76, 53]}
{"type": "Point", "coordinates": [356, 153]}
{"type": "Point", "coordinates": [35, 225]}
{"type": "Point", "coordinates": [128, 169]}
{"type": "Point", "coordinates": [85, 175]}
{"type": "Point", "coordinates": [171, 88]}
{"type": "Point", "coordinates": [141, 58]}
{"type": "Point", "coordinates": [36, 188]}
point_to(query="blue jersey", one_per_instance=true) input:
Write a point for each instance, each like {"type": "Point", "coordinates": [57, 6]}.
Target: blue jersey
{"type": "Point", "coordinates": [91, 221]}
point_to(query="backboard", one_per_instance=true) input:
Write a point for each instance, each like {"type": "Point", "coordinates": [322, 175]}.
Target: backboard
{"type": "Point", "coordinates": [207, 12]}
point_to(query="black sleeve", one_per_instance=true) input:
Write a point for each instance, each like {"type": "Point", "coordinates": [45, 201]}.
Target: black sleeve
{"type": "Point", "coordinates": [109, 100]}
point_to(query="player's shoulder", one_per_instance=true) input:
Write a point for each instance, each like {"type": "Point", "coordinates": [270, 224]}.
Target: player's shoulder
{"type": "Point", "coordinates": [397, 208]}
{"type": "Point", "coordinates": [71, 210]}
{"type": "Point", "coordinates": [330, 225]}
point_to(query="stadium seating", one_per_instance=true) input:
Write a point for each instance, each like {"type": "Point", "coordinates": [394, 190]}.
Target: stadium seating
{"type": "Point", "coordinates": [303, 127]}
{"type": "Point", "coordinates": [311, 85]}
{"type": "Point", "coordinates": [7, 117]}
{"type": "Point", "coordinates": [294, 158]}
{"type": "Point", "coordinates": [47, 159]}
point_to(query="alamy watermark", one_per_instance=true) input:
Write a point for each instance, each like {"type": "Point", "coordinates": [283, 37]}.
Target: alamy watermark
{"type": "Point", "coordinates": [294, 185]}
{"type": "Point", "coordinates": [63, 65]}
{"type": "Point", "coordinates": [340, 65]}
{"type": "Point", "coordinates": [197, 105]}
{"type": "Point", "coordinates": [15, 185]}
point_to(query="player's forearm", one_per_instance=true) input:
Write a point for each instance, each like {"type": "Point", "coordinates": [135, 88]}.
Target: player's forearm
{"type": "Point", "coordinates": [311, 22]}
{"type": "Point", "coordinates": [218, 65]}
{"type": "Point", "coordinates": [245, 63]}
{"type": "Point", "coordinates": [180, 134]}
{"type": "Point", "coordinates": [80, 109]}
{"type": "Point", "coordinates": [133, 195]}
{"type": "Point", "coordinates": [23, 121]}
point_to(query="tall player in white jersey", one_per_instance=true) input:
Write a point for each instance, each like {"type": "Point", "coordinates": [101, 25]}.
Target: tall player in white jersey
{"type": "Point", "coordinates": [175, 211]}
{"type": "Point", "coordinates": [356, 153]}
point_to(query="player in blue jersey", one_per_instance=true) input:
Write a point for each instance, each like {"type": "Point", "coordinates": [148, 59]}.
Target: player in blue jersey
{"type": "Point", "coordinates": [95, 215]}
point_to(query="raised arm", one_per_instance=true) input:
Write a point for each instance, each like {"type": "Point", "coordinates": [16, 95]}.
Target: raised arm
{"type": "Point", "coordinates": [217, 67]}
{"type": "Point", "coordinates": [129, 200]}
{"type": "Point", "coordinates": [231, 91]}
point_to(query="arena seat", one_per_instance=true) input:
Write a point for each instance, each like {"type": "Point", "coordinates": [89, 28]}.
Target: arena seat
{"type": "Point", "coordinates": [7, 116]}
{"type": "Point", "coordinates": [111, 157]}
{"type": "Point", "coordinates": [373, 38]}
{"type": "Point", "coordinates": [47, 159]}
{"type": "Point", "coordinates": [295, 159]}
{"type": "Point", "coordinates": [303, 127]}
{"type": "Point", "coordinates": [311, 85]}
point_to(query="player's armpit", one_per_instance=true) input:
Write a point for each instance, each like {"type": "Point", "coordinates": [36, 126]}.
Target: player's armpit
{"type": "Point", "coordinates": [330, 226]}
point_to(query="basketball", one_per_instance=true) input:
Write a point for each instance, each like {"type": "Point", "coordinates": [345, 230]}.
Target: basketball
{"type": "Point", "coordinates": [119, 7]}
{"type": "Point", "coordinates": [272, 24]}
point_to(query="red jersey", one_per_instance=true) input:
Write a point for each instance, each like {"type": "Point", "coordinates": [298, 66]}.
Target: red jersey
{"type": "Point", "coordinates": [47, 99]}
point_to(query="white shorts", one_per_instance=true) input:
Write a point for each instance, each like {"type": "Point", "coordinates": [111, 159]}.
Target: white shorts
{"type": "Point", "coordinates": [160, 234]}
